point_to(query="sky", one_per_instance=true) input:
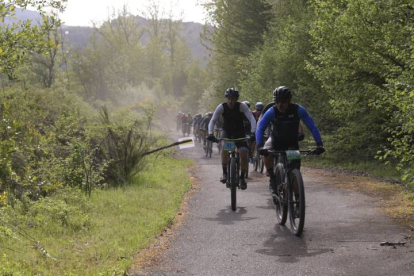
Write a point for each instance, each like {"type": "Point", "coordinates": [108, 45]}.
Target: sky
{"type": "Point", "coordinates": [84, 12]}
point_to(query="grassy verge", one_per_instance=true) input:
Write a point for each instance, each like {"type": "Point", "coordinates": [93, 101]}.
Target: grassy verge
{"type": "Point", "coordinates": [120, 223]}
{"type": "Point", "coordinates": [371, 168]}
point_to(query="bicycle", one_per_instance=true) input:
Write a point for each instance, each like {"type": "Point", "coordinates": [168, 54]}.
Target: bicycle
{"type": "Point", "coordinates": [208, 148]}
{"type": "Point", "coordinates": [233, 167]}
{"type": "Point", "coordinates": [217, 134]}
{"type": "Point", "coordinates": [258, 164]}
{"type": "Point", "coordinates": [289, 195]}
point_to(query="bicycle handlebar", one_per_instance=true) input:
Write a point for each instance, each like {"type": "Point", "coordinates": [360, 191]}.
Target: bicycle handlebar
{"type": "Point", "coordinates": [231, 140]}
{"type": "Point", "coordinates": [279, 152]}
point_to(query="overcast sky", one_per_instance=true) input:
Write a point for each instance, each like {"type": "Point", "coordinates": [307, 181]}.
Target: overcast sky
{"type": "Point", "coordinates": [84, 12]}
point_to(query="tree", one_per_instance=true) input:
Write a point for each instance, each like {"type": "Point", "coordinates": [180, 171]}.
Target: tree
{"type": "Point", "coordinates": [238, 28]}
{"type": "Point", "coordinates": [20, 39]}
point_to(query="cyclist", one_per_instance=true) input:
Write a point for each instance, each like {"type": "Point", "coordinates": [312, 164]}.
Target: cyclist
{"type": "Point", "coordinates": [258, 111]}
{"type": "Point", "coordinates": [204, 125]}
{"type": "Point", "coordinates": [247, 128]}
{"type": "Point", "coordinates": [196, 120]}
{"type": "Point", "coordinates": [285, 118]}
{"type": "Point", "coordinates": [178, 120]}
{"type": "Point", "coordinates": [189, 122]}
{"type": "Point", "coordinates": [233, 113]}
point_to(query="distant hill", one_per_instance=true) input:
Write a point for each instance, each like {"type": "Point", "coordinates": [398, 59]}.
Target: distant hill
{"type": "Point", "coordinates": [78, 37]}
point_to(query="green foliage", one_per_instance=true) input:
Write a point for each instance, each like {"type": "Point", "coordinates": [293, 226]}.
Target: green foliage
{"type": "Point", "coordinates": [125, 145]}
{"type": "Point", "coordinates": [44, 144]}
{"type": "Point", "coordinates": [239, 27]}
{"type": "Point", "coordinates": [105, 230]}
{"type": "Point", "coordinates": [20, 39]}
{"type": "Point", "coordinates": [363, 58]}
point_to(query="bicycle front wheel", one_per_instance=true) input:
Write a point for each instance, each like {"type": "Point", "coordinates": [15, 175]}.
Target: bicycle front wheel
{"type": "Point", "coordinates": [233, 183]}
{"type": "Point", "coordinates": [261, 164]}
{"type": "Point", "coordinates": [296, 193]}
{"type": "Point", "coordinates": [281, 200]}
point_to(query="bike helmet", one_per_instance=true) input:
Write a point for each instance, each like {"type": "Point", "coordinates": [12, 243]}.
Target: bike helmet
{"type": "Point", "coordinates": [231, 92]}
{"type": "Point", "coordinates": [210, 113]}
{"type": "Point", "coordinates": [259, 106]}
{"type": "Point", "coordinates": [206, 114]}
{"type": "Point", "coordinates": [247, 103]}
{"type": "Point", "coordinates": [282, 92]}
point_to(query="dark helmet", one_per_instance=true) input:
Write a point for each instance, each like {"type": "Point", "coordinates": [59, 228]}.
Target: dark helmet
{"type": "Point", "coordinates": [282, 92]}
{"type": "Point", "coordinates": [231, 92]}
{"type": "Point", "coordinates": [259, 106]}
{"type": "Point", "coordinates": [247, 103]}
{"type": "Point", "coordinates": [210, 114]}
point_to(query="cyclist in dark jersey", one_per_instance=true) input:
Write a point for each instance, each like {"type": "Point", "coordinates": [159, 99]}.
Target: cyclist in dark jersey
{"type": "Point", "coordinates": [204, 125]}
{"type": "Point", "coordinates": [233, 113]}
{"type": "Point", "coordinates": [285, 118]}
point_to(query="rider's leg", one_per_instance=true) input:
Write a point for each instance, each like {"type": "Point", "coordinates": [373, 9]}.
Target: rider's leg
{"type": "Point", "coordinates": [269, 162]}
{"type": "Point", "coordinates": [244, 163]}
{"type": "Point", "coordinates": [224, 158]}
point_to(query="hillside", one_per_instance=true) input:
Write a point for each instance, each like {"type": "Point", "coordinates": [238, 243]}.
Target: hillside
{"type": "Point", "coordinates": [78, 36]}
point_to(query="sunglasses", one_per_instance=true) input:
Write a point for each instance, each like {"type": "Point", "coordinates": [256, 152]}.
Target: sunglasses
{"type": "Point", "coordinates": [282, 101]}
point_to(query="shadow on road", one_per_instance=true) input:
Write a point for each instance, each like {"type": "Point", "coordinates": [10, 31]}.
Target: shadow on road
{"type": "Point", "coordinates": [227, 216]}
{"type": "Point", "coordinates": [287, 247]}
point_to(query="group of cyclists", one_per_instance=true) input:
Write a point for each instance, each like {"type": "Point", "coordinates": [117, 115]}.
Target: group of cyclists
{"type": "Point", "coordinates": [199, 125]}
{"type": "Point", "coordinates": [278, 128]}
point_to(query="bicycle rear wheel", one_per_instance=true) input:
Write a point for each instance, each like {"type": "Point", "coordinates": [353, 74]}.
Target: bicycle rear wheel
{"type": "Point", "coordinates": [209, 148]}
{"type": "Point", "coordinates": [281, 201]}
{"type": "Point", "coordinates": [233, 183]}
{"type": "Point", "coordinates": [296, 193]}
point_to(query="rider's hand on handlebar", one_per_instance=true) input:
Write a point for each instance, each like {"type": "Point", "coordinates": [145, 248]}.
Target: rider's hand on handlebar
{"type": "Point", "coordinates": [319, 149]}
{"type": "Point", "coordinates": [262, 151]}
{"type": "Point", "coordinates": [211, 138]}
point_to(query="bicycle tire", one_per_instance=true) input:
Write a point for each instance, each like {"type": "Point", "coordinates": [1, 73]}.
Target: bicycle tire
{"type": "Point", "coordinates": [281, 205]}
{"type": "Point", "coordinates": [233, 183]}
{"type": "Point", "coordinates": [261, 165]}
{"type": "Point", "coordinates": [256, 162]}
{"type": "Point", "coordinates": [209, 148]}
{"type": "Point", "coordinates": [296, 193]}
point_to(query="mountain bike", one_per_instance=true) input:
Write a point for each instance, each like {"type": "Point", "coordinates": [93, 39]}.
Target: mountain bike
{"type": "Point", "coordinates": [233, 167]}
{"type": "Point", "coordinates": [208, 148]}
{"type": "Point", "coordinates": [258, 163]}
{"type": "Point", "coordinates": [289, 195]}
{"type": "Point", "coordinates": [217, 134]}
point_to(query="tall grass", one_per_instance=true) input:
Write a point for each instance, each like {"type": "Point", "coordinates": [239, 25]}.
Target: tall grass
{"type": "Point", "coordinates": [122, 221]}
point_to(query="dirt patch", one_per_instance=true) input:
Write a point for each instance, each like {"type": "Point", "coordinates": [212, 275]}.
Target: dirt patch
{"type": "Point", "coordinates": [392, 197]}
{"type": "Point", "coordinates": [150, 256]}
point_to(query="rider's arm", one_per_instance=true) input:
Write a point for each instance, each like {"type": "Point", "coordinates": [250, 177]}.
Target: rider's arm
{"type": "Point", "coordinates": [263, 124]}
{"type": "Point", "coordinates": [310, 124]}
{"type": "Point", "coordinates": [249, 115]}
{"type": "Point", "coordinates": [219, 110]}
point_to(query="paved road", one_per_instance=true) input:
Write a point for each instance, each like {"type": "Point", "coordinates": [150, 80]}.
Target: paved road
{"type": "Point", "coordinates": [342, 236]}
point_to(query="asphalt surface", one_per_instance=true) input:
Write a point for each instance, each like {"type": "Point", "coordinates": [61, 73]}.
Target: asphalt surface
{"type": "Point", "coordinates": [342, 235]}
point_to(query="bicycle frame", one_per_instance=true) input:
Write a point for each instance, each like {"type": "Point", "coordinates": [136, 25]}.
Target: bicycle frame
{"type": "Point", "coordinates": [233, 168]}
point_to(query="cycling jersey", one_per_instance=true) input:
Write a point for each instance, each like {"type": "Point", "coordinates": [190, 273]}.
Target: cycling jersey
{"type": "Point", "coordinates": [285, 125]}
{"type": "Point", "coordinates": [232, 118]}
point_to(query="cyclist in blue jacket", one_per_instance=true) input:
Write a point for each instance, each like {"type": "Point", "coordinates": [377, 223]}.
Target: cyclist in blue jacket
{"type": "Point", "coordinates": [285, 118]}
